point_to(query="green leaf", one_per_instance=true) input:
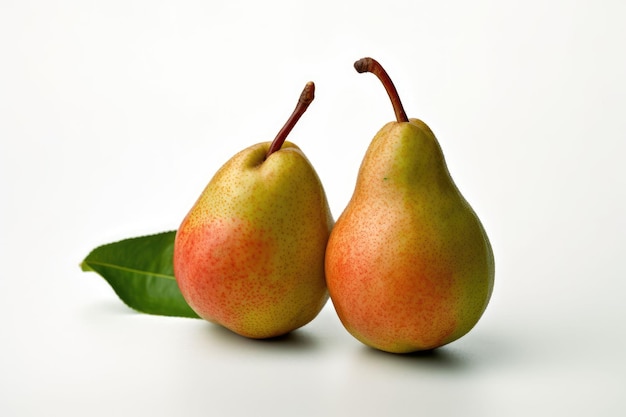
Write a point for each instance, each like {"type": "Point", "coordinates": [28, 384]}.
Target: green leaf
{"type": "Point", "coordinates": [141, 272]}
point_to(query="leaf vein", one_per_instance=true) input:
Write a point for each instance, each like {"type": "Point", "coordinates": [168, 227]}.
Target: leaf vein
{"type": "Point", "coordinates": [127, 269]}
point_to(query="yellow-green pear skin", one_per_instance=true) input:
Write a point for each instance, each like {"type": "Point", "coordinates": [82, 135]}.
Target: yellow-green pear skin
{"type": "Point", "coordinates": [250, 253]}
{"type": "Point", "coordinates": [409, 266]}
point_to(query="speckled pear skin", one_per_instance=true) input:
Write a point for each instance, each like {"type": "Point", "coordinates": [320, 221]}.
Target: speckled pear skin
{"type": "Point", "coordinates": [409, 266]}
{"type": "Point", "coordinates": [250, 253]}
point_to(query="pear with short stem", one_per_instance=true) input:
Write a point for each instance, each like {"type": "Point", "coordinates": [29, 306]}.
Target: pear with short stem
{"type": "Point", "coordinates": [249, 255]}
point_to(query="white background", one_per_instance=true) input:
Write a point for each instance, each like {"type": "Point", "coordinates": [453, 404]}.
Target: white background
{"type": "Point", "coordinates": [115, 114]}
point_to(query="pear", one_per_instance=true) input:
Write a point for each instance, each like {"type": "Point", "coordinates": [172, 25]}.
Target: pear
{"type": "Point", "coordinates": [249, 255]}
{"type": "Point", "coordinates": [409, 266]}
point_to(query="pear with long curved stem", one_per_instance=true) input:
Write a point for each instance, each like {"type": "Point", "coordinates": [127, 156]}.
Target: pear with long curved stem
{"type": "Point", "coordinates": [249, 255]}
{"type": "Point", "coordinates": [409, 266]}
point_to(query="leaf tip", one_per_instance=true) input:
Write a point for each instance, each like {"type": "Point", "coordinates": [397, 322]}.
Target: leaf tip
{"type": "Point", "coordinates": [84, 266]}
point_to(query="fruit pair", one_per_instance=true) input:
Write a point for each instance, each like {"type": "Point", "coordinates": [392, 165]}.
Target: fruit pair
{"type": "Point", "coordinates": [408, 264]}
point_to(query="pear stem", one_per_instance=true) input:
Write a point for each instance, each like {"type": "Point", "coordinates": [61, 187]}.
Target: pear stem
{"type": "Point", "coordinates": [307, 96]}
{"type": "Point", "coordinates": [371, 65]}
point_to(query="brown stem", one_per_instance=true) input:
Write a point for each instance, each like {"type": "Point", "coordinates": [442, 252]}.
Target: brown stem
{"type": "Point", "coordinates": [307, 96]}
{"type": "Point", "coordinates": [371, 65]}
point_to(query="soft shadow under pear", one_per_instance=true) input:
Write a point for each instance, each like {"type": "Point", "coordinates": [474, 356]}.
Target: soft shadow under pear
{"type": "Point", "coordinates": [296, 341]}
